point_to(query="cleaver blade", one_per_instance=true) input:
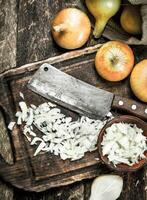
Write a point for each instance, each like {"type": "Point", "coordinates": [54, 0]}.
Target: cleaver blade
{"type": "Point", "coordinates": [70, 92]}
{"type": "Point", "coordinates": [77, 95]}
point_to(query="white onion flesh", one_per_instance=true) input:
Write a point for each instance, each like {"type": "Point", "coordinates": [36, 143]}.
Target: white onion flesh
{"type": "Point", "coordinates": [58, 134]}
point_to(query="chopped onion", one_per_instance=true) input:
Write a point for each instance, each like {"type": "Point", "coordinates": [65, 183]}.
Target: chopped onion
{"type": "Point", "coordinates": [58, 134]}
{"type": "Point", "coordinates": [124, 143]}
{"type": "Point", "coordinates": [11, 125]}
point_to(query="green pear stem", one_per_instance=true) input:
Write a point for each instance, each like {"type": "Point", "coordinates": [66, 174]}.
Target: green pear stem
{"type": "Point", "coordinates": [99, 27]}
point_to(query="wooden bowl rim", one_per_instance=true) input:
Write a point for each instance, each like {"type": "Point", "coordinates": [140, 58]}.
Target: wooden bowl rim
{"type": "Point", "coordinates": [122, 167]}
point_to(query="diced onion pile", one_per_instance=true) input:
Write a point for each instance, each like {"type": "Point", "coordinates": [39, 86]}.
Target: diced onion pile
{"type": "Point", "coordinates": [59, 134]}
{"type": "Point", "coordinates": [124, 143]}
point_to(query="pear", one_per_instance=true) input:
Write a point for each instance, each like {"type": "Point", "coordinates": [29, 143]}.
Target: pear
{"type": "Point", "coordinates": [131, 20]}
{"type": "Point", "coordinates": [102, 10]}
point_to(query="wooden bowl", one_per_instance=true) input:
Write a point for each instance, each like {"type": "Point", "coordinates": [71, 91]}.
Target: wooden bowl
{"type": "Point", "coordinates": [126, 119]}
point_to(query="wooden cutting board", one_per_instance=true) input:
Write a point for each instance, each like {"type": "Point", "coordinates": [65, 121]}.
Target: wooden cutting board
{"type": "Point", "coordinates": [46, 170]}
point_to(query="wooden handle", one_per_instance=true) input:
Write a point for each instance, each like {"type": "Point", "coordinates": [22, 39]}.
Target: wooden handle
{"type": "Point", "coordinates": [130, 106]}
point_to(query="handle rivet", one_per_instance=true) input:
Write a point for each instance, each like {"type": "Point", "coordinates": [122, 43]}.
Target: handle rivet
{"type": "Point", "coordinates": [45, 69]}
{"type": "Point", "coordinates": [134, 107]}
{"type": "Point", "coordinates": [145, 111]}
{"type": "Point", "coordinates": [121, 103]}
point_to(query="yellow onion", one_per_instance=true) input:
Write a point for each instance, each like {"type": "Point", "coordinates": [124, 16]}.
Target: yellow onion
{"type": "Point", "coordinates": [71, 28]}
{"type": "Point", "coordinates": [102, 10]}
{"type": "Point", "coordinates": [138, 80]}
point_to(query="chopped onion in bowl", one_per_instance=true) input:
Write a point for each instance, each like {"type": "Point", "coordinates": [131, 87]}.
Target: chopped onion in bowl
{"type": "Point", "coordinates": [124, 143]}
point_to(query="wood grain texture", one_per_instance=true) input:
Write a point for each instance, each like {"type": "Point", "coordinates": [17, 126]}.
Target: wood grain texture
{"type": "Point", "coordinates": [8, 26]}
{"type": "Point", "coordinates": [130, 106]}
{"type": "Point", "coordinates": [34, 36]}
{"type": "Point", "coordinates": [34, 24]}
{"type": "Point", "coordinates": [145, 181]}
{"type": "Point", "coordinates": [6, 192]}
{"type": "Point", "coordinates": [8, 37]}
{"type": "Point", "coordinates": [72, 192]}
{"type": "Point", "coordinates": [5, 147]}
{"type": "Point", "coordinates": [51, 60]}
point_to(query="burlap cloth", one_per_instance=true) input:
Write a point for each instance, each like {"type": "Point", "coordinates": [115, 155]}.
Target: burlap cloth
{"type": "Point", "coordinates": [113, 30]}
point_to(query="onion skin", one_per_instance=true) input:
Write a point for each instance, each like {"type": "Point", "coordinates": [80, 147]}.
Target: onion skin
{"type": "Point", "coordinates": [131, 20]}
{"type": "Point", "coordinates": [138, 80]}
{"type": "Point", "coordinates": [106, 187]}
{"type": "Point", "coordinates": [102, 10]}
{"type": "Point", "coordinates": [71, 28]}
{"type": "Point", "coordinates": [114, 61]}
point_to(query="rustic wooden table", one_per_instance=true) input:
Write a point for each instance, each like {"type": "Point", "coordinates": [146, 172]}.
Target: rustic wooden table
{"type": "Point", "coordinates": [24, 38]}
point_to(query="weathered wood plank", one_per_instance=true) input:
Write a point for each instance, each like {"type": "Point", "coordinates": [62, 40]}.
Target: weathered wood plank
{"type": "Point", "coordinates": [145, 182]}
{"type": "Point", "coordinates": [34, 23]}
{"type": "Point", "coordinates": [5, 147]}
{"type": "Point", "coordinates": [8, 26]}
{"type": "Point", "coordinates": [6, 193]}
{"type": "Point", "coordinates": [47, 195]}
{"type": "Point", "coordinates": [72, 192]}
{"type": "Point", "coordinates": [51, 60]}
{"type": "Point", "coordinates": [34, 37]}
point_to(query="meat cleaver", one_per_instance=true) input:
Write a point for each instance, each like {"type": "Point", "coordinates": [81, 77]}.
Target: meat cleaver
{"type": "Point", "coordinates": [79, 96]}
